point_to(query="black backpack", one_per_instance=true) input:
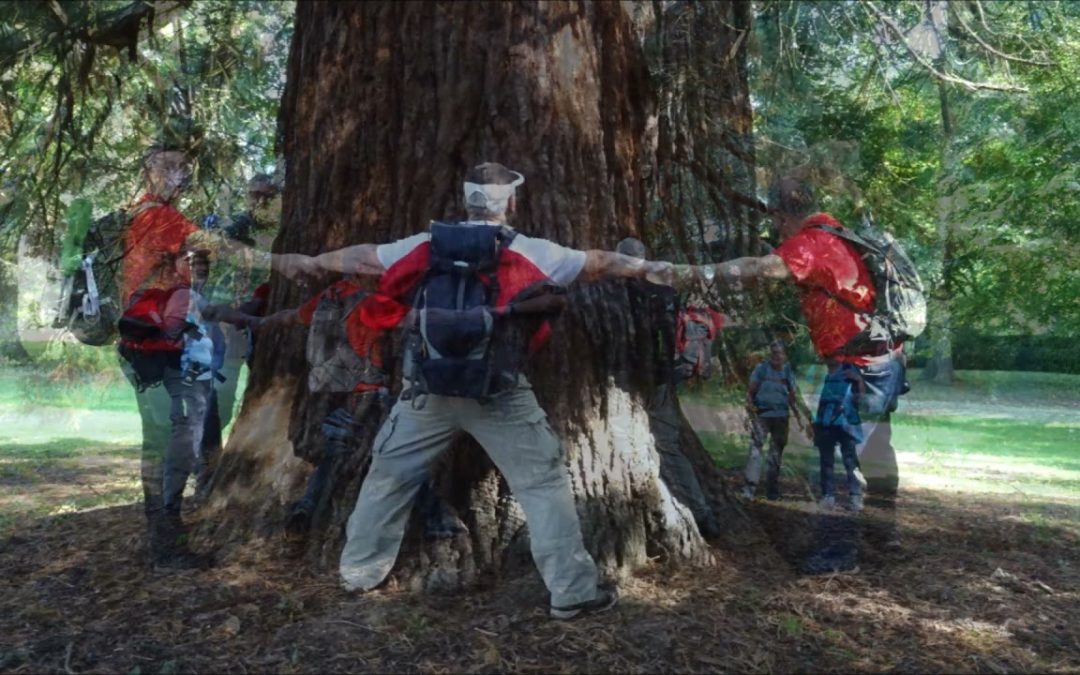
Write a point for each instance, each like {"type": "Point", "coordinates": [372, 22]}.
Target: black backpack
{"type": "Point", "coordinates": [899, 312]}
{"type": "Point", "coordinates": [449, 350]}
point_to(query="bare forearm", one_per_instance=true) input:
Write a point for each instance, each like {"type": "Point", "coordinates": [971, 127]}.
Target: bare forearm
{"type": "Point", "coordinates": [359, 259]}
{"type": "Point", "coordinates": [737, 274]}
{"type": "Point", "coordinates": [611, 265]}
{"type": "Point", "coordinates": [225, 249]}
{"type": "Point", "coordinates": [283, 318]}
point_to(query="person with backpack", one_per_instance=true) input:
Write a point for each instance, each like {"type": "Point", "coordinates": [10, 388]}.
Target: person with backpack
{"type": "Point", "coordinates": [837, 423]}
{"type": "Point", "coordinates": [168, 357]}
{"type": "Point", "coordinates": [770, 396]}
{"type": "Point", "coordinates": [248, 289]}
{"type": "Point", "coordinates": [695, 330]}
{"type": "Point", "coordinates": [475, 297]}
{"type": "Point", "coordinates": [152, 265]}
{"type": "Point", "coordinates": [862, 299]}
{"type": "Point", "coordinates": [348, 396]}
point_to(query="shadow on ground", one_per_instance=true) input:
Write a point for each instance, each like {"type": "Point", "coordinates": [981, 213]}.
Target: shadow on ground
{"type": "Point", "coordinates": [982, 585]}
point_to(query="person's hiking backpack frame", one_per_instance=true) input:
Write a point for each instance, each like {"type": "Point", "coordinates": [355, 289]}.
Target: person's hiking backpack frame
{"type": "Point", "coordinates": [695, 331]}
{"type": "Point", "coordinates": [333, 364]}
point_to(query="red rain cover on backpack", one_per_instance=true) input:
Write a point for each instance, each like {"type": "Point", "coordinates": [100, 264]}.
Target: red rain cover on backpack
{"type": "Point", "coordinates": [694, 334]}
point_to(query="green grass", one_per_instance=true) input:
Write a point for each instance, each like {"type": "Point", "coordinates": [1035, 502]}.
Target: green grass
{"type": "Point", "coordinates": [28, 387]}
{"type": "Point", "coordinates": [990, 432]}
{"type": "Point", "coordinates": [69, 441]}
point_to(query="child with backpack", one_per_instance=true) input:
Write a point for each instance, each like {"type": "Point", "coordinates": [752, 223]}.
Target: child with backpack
{"type": "Point", "coordinates": [837, 423]}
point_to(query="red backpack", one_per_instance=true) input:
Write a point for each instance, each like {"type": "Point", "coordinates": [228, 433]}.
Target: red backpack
{"type": "Point", "coordinates": [694, 334]}
{"type": "Point", "coordinates": [142, 326]}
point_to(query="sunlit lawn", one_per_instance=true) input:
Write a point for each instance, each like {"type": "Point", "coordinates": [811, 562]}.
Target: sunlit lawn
{"type": "Point", "coordinates": [72, 443]}
{"type": "Point", "coordinates": [67, 444]}
{"type": "Point", "coordinates": [993, 432]}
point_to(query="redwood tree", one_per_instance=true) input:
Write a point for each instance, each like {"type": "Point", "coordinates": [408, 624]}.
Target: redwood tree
{"type": "Point", "coordinates": [386, 105]}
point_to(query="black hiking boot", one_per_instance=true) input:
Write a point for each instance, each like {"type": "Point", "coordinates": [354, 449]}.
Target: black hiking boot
{"type": "Point", "coordinates": [178, 559]}
{"type": "Point", "coordinates": [168, 546]}
{"type": "Point", "coordinates": [299, 521]}
{"type": "Point", "coordinates": [709, 527]}
{"type": "Point", "coordinates": [443, 524]}
{"type": "Point", "coordinates": [829, 560]}
{"type": "Point", "coordinates": [605, 599]}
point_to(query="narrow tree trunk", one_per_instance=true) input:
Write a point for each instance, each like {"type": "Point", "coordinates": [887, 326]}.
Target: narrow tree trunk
{"type": "Point", "coordinates": [940, 368]}
{"type": "Point", "coordinates": [386, 106]}
{"type": "Point", "coordinates": [11, 347]}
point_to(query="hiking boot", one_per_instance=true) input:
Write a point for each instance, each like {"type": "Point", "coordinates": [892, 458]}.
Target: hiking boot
{"type": "Point", "coordinates": [772, 491]}
{"type": "Point", "coordinates": [748, 492]}
{"type": "Point", "coordinates": [709, 528]}
{"type": "Point", "coordinates": [443, 525]}
{"type": "Point", "coordinates": [892, 544]}
{"type": "Point", "coordinates": [179, 559]}
{"type": "Point", "coordinates": [605, 599]}
{"type": "Point", "coordinates": [855, 503]}
{"type": "Point", "coordinates": [859, 478]}
{"type": "Point", "coordinates": [299, 521]}
{"type": "Point", "coordinates": [826, 503]}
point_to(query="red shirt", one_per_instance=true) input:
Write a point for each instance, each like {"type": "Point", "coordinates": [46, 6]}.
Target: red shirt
{"type": "Point", "coordinates": [153, 241]}
{"type": "Point", "coordinates": [826, 267]}
{"type": "Point", "coordinates": [362, 339]}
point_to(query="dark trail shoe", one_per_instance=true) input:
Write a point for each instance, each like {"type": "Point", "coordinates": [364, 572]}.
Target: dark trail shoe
{"type": "Point", "coordinates": [299, 521]}
{"type": "Point", "coordinates": [709, 528]}
{"type": "Point", "coordinates": [836, 558]}
{"type": "Point", "coordinates": [605, 599]}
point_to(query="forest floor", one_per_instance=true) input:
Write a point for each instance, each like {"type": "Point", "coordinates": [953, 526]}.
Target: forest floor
{"type": "Point", "coordinates": [988, 580]}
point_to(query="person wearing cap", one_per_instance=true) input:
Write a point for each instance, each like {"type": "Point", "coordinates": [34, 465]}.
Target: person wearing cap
{"type": "Point", "coordinates": [510, 425]}
{"type": "Point", "coordinates": [247, 289]}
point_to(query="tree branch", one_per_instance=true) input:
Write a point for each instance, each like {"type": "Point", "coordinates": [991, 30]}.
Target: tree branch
{"type": "Point", "coordinates": [970, 85]}
{"type": "Point", "coordinates": [991, 50]}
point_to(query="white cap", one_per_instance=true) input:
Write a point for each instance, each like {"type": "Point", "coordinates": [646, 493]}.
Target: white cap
{"type": "Point", "coordinates": [490, 197]}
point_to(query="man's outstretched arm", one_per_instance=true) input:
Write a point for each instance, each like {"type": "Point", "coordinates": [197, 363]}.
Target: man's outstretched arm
{"type": "Point", "coordinates": [358, 259]}
{"type": "Point", "coordinates": [736, 274]}
{"type": "Point", "coordinates": [609, 265]}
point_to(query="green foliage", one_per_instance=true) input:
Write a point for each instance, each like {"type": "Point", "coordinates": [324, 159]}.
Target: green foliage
{"type": "Point", "coordinates": [87, 86]}
{"type": "Point", "coordinates": [971, 167]}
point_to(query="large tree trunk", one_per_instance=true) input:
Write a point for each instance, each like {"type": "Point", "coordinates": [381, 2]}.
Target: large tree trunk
{"type": "Point", "coordinates": [386, 106]}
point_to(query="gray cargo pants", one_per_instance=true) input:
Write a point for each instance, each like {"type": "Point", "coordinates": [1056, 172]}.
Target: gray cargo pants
{"type": "Point", "coordinates": [173, 415]}
{"type": "Point", "coordinates": [513, 430]}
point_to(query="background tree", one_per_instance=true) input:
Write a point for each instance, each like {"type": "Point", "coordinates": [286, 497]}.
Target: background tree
{"type": "Point", "coordinates": [900, 110]}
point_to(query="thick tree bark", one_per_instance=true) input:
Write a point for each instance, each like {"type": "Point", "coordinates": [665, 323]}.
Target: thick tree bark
{"type": "Point", "coordinates": [386, 106]}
